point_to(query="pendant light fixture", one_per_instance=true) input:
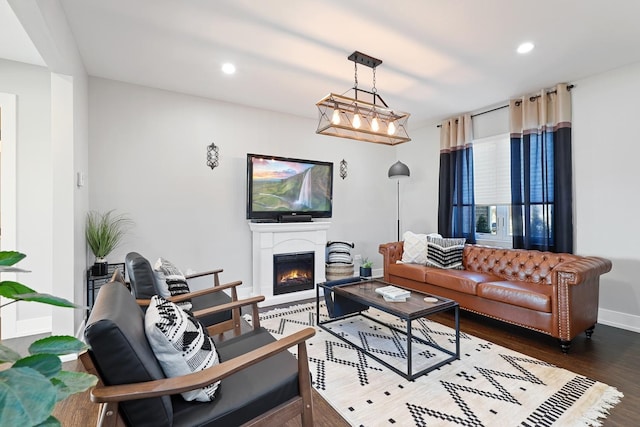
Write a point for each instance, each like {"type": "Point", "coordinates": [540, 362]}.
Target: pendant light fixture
{"type": "Point", "coordinates": [359, 119]}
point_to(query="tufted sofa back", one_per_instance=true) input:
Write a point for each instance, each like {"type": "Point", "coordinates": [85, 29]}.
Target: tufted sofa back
{"type": "Point", "coordinates": [514, 264]}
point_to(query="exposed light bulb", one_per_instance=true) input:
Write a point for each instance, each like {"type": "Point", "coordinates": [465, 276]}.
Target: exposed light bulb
{"type": "Point", "coordinates": [335, 119]}
{"type": "Point", "coordinates": [356, 121]}
{"type": "Point", "coordinates": [375, 125]}
{"type": "Point", "coordinates": [392, 128]}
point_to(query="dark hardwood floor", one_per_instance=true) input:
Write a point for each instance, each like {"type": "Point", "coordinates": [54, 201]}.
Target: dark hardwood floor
{"type": "Point", "coordinates": [611, 356]}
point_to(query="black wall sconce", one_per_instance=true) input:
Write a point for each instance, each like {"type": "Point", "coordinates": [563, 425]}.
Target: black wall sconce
{"type": "Point", "coordinates": [343, 169]}
{"type": "Point", "coordinates": [213, 153]}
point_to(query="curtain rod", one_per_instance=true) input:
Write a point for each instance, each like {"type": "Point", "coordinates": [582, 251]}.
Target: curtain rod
{"type": "Point", "coordinates": [531, 98]}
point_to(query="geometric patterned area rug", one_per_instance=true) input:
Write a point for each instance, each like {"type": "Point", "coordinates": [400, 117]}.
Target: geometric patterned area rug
{"type": "Point", "coordinates": [489, 386]}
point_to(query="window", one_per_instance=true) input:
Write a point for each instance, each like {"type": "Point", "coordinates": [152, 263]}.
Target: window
{"type": "Point", "coordinates": [492, 189]}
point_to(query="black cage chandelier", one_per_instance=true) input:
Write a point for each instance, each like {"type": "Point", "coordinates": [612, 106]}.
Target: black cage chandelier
{"type": "Point", "coordinates": [356, 118]}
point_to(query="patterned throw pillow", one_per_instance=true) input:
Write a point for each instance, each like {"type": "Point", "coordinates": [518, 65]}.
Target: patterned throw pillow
{"type": "Point", "coordinates": [414, 249]}
{"type": "Point", "coordinates": [181, 344]}
{"type": "Point", "coordinates": [339, 252]}
{"type": "Point", "coordinates": [445, 253]}
{"type": "Point", "coordinates": [171, 281]}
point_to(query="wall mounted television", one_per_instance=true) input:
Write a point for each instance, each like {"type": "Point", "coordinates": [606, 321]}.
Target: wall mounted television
{"type": "Point", "coordinates": [283, 187]}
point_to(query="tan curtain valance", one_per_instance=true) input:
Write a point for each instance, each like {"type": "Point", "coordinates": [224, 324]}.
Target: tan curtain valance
{"type": "Point", "coordinates": [456, 133]}
{"type": "Point", "coordinates": [546, 110]}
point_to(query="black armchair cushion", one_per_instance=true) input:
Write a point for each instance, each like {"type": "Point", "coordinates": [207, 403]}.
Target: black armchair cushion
{"type": "Point", "coordinates": [247, 393]}
{"type": "Point", "coordinates": [212, 300]}
{"type": "Point", "coordinates": [140, 275]}
{"type": "Point", "coordinates": [122, 355]}
{"type": "Point", "coordinates": [338, 305]}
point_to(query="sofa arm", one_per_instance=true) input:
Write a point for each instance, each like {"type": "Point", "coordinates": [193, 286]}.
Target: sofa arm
{"type": "Point", "coordinates": [583, 270]}
{"type": "Point", "coordinates": [576, 287]}
{"type": "Point", "coordinates": [391, 252]}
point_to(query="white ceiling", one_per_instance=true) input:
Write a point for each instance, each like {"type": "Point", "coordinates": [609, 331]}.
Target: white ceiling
{"type": "Point", "coordinates": [439, 57]}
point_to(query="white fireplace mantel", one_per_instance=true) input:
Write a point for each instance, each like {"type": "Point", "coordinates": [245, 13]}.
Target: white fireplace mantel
{"type": "Point", "coordinates": [281, 238]}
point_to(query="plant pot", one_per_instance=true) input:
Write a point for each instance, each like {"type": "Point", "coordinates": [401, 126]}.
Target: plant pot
{"type": "Point", "coordinates": [365, 271]}
{"type": "Point", "coordinates": [100, 267]}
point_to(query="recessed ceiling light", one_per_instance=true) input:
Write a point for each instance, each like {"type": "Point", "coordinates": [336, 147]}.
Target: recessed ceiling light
{"type": "Point", "coordinates": [525, 47]}
{"type": "Point", "coordinates": [228, 68]}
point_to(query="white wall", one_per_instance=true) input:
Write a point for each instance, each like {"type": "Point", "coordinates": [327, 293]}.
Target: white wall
{"type": "Point", "coordinates": [147, 158]}
{"type": "Point", "coordinates": [606, 154]}
{"type": "Point", "coordinates": [32, 86]}
{"type": "Point", "coordinates": [419, 193]}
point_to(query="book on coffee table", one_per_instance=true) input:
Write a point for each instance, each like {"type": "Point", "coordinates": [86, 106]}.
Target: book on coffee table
{"type": "Point", "coordinates": [393, 293]}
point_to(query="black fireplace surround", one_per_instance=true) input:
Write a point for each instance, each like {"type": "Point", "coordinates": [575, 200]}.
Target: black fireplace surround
{"type": "Point", "coordinates": [293, 272]}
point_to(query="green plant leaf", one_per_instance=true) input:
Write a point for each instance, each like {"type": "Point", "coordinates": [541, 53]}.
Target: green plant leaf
{"type": "Point", "coordinates": [10, 289]}
{"type": "Point", "coordinates": [68, 383]}
{"type": "Point", "coordinates": [104, 231]}
{"type": "Point", "coordinates": [10, 257]}
{"type": "Point", "coordinates": [45, 299]}
{"type": "Point", "coordinates": [57, 344]}
{"type": "Point", "coordinates": [8, 355]}
{"type": "Point", "coordinates": [26, 397]}
{"type": "Point", "coordinates": [47, 364]}
{"type": "Point", "coordinates": [50, 422]}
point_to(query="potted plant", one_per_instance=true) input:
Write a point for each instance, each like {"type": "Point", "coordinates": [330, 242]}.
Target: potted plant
{"type": "Point", "coordinates": [30, 386]}
{"type": "Point", "coordinates": [104, 232]}
{"type": "Point", "coordinates": [365, 267]}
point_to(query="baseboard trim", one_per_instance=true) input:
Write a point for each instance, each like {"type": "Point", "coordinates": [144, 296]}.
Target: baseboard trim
{"type": "Point", "coordinates": [618, 319]}
{"type": "Point", "coordinates": [34, 326]}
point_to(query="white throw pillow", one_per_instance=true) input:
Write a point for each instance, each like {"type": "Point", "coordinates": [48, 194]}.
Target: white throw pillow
{"type": "Point", "coordinates": [181, 344]}
{"type": "Point", "coordinates": [415, 248]}
{"type": "Point", "coordinates": [171, 281]}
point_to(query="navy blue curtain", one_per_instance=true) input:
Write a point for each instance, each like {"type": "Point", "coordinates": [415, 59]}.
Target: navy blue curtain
{"type": "Point", "coordinates": [541, 172]}
{"type": "Point", "coordinates": [456, 206]}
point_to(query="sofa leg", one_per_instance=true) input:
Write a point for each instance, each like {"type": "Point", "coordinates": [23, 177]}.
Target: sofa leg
{"type": "Point", "coordinates": [565, 345]}
{"type": "Point", "coordinates": [589, 331]}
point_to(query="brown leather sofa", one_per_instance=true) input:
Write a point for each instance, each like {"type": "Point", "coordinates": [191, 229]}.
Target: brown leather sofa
{"type": "Point", "coordinates": [553, 293]}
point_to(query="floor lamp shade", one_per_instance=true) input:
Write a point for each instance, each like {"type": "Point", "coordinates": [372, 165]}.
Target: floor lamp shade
{"type": "Point", "coordinates": [396, 171]}
{"type": "Point", "coordinates": [399, 170]}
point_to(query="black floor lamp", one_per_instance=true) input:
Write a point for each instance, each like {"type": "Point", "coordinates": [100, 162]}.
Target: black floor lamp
{"type": "Point", "coordinates": [397, 171]}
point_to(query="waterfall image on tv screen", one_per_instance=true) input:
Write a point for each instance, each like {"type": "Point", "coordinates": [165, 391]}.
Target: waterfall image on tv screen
{"type": "Point", "coordinates": [290, 186]}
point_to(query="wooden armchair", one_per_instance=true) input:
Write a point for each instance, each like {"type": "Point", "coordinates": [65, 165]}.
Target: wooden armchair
{"type": "Point", "coordinates": [262, 383]}
{"type": "Point", "coordinates": [144, 286]}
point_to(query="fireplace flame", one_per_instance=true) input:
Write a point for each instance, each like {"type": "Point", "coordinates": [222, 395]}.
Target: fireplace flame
{"type": "Point", "coordinates": [294, 275]}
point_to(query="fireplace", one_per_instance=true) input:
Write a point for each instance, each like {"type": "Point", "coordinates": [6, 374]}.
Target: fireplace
{"type": "Point", "coordinates": [293, 272]}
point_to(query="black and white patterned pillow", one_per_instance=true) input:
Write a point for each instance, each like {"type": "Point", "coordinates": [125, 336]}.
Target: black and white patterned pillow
{"type": "Point", "coordinates": [445, 253]}
{"type": "Point", "coordinates": [339, 252]}
{"type": "Point", "coordinates": [171, 281]}
{"type": "Point", "coordinates": [181, 344]}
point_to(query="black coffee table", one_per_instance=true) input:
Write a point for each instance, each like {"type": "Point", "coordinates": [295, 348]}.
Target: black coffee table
{"type": "Point", "coordinates": [364, 292]}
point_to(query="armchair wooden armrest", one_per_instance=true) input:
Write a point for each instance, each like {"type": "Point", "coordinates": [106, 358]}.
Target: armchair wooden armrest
{"type": "Point", "coordinates": [221, 328]}
{"type": "Point", "coordinates": [216, 278]}
{"type": "Point", "coordinates": [169, 386]}
{"type": "Point", "coordinates": [194, 294]}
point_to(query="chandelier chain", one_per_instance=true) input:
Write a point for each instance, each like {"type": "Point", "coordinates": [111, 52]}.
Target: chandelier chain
{"type": "Point", "coordinates": [374, 90]}
{"type": "Point", "coordinates": [355, 74]}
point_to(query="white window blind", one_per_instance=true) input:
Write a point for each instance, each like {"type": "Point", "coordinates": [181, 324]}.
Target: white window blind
{"type": "Point", "coordinates": [492, 170]}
